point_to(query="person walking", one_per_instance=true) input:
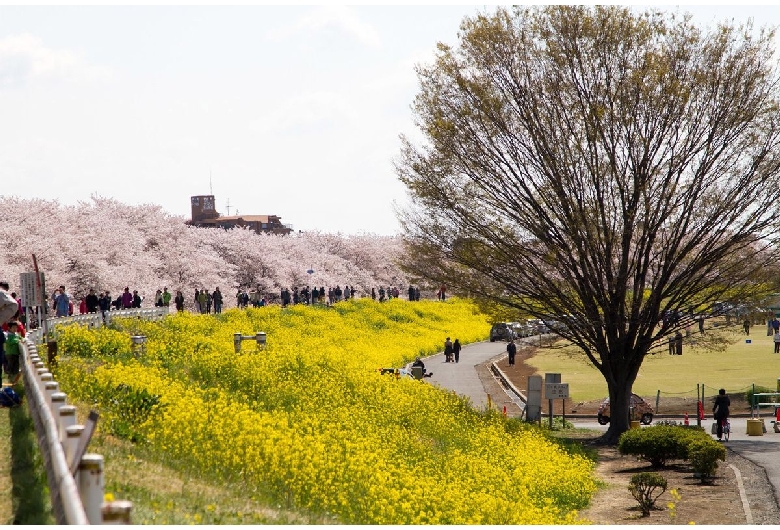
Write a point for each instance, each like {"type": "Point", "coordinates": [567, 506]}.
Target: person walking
{"type": "Point", "coordinates": [746, 326]}
{"type": "Point", "coordinates": [217, 297]}
{"type": "Point", "coordinates": [13, 352]}
{"type": "Point", "coordinates": [62, 303]}
{"type": "Point", "coordinates": [104, 302]}
{"type": "Point", "coordinates": [179, 301]}
{"type": "Point", "coordinates": [127, 299]}
{"type": "Point", "coordinates": [202, 298]}
{"type": "Point", "coordinates": [92, 301]}
{"type": "Point", "coordinates": [448, 350]}
{"type": "Point", "coordinates": [777, 342]}
{"type": "Point", "coordinates": [456, 350]}
{"type": "Point", "coordinates": [511, 350]}
{"type": "Point", "coordinates": [720, 410]}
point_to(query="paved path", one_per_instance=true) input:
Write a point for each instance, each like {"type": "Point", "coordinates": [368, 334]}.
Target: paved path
{"type": "Point", "coordinates": [462, 377]}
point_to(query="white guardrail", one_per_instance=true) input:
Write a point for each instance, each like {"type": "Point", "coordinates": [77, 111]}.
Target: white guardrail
{"type": "Point", "coordinates": [95, 320]}
{"type": "Point", "coordinates": [75, 478]}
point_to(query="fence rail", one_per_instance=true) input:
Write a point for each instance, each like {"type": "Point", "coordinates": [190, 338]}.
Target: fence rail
{"type": "Point", "coordinates": [65, 497]}
{"type": "Point", "coordinates": [96, 320]}
{"type": "Point", "coordinates": [75, 478]}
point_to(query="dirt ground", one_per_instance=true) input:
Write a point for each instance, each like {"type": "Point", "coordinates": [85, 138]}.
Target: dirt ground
{"type": "Point", "coordinates": [713, 504]}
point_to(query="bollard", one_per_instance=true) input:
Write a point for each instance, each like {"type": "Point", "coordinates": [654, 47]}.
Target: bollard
{"type": "Point", "coordinates": [58, 400]}
{"type": "Point", "coordinates": [45, 378]}
{"type": "Point", "coordinates": [117, 512]}
{"type": "Point", "coordinates": [91, 487]}
{"type": "Point", "coordinates": [49, 388]}
{"type": "Point", "coordinates": [72, 436]}
{"type": "Point", "coordinates": [66, 418]}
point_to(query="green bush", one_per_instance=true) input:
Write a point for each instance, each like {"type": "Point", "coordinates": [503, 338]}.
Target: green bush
{"type": "Point", "coordinates": [643, 488]}
{"type": "Point", "coordinates": [656, 445]}
{"type": "Point", "coordinates": [703, 455]}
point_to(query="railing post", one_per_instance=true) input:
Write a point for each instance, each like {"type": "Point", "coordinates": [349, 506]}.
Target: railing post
{"type": "Point", "coordinates": [117, 512]}
{"type": "Point", "coordinates": [90, 482]}
{"type": "Point", "coordinates": [66, 418]}
{"type": "Point", "coordinates": [49, 388]}
{"type": "Point", "coordinates": [72, 436]}
{"type": "Point", "coordinates": [58, 400]}
{"type": "Point", "coordinates": [46, 377]}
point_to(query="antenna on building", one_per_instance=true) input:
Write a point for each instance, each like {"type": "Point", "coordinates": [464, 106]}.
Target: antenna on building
{"type": "Point", "coordinates": [228, 206]}
{"type": "Point", "coordinates": [211, 190]}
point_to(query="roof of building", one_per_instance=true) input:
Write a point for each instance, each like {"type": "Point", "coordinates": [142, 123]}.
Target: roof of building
{"type": "Point", "coordinates": [245, 218]}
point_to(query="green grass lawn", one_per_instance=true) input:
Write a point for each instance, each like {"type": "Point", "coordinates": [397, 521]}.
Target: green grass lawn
{"type": "Point", "coordinates": [735, 369]}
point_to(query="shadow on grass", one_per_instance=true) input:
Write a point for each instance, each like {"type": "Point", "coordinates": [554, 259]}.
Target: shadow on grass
{"type": "Point", "coordinates": [30, 492]}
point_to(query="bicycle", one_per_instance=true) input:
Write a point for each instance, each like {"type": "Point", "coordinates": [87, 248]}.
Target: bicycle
{"type": "Point", "coordinates": [726, 426]}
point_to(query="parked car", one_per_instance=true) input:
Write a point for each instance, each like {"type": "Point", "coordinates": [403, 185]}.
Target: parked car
{"type": "Point", "coordinates": [522, 329]}
{"type": "Point", "coordinates": [501, 331]}
{"type": "Point", "coordinates": [642, 410]}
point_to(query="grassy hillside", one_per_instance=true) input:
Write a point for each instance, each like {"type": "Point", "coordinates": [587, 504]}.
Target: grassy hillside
{"type": "Point", "coordinates": [308, 430]}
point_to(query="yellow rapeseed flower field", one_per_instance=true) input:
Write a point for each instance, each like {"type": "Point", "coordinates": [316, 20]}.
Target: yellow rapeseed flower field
{"type": "Point", "coordinates": [311, 422]}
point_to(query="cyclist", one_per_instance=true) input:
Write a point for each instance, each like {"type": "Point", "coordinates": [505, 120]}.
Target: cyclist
{"type": "Point", "coordinates": [720, 410]}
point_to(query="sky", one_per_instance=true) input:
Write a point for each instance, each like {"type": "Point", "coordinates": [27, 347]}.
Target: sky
{"type": "Point", "coordinates": [292, 111]}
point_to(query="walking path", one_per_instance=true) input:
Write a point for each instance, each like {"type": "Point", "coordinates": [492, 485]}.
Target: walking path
{"type": "Point", "coordinates": [463, 378]}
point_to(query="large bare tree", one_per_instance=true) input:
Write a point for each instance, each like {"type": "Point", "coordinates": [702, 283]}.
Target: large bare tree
{"type": "Point", "coordinates": [600, 167]}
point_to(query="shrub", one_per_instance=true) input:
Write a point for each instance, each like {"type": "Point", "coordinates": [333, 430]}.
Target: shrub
{"type": "Point", "coordinates": [656, 445]}
{"type": "Point", "coordinates": [643, 487]}
{"type": "Point", "coordinates": [704, 455]}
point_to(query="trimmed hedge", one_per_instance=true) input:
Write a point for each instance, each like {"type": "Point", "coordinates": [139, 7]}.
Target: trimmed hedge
{"type": "Point", "coordinates": [659, 444]}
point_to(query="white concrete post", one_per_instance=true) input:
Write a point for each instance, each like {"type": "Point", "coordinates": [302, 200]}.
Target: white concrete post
{"type": "Point", "coordinates": [117, 512]}
{"type": "Point", "coordinates": [45, 378]}
{"type": "Point", "coordinates": [50, 388]}
{"type": "Point", "coordinates": [90, 484]}
{"type": "Point", "coordinates": [72, 435]}
{"type": "Point", "coordinates": [58, 400]}
{"type": "Point", "coordinates": [66, 418]}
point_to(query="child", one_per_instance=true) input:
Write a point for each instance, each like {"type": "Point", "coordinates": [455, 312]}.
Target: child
{"type": "Point", "coordinates": [12, 352]}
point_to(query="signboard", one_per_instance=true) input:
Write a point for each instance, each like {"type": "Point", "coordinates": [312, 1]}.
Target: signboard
{"type": "Point", "coordinates": [556, 390]}
{"type": "Point", "coordinates": [29, 292]}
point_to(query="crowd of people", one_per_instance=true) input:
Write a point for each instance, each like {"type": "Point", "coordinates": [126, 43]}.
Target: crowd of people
{"type": "Point", "coordinates": [62, 303]}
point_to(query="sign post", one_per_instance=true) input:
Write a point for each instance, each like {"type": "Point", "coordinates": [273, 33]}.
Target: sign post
{"type": "Point", "coordinates": [554, 389]}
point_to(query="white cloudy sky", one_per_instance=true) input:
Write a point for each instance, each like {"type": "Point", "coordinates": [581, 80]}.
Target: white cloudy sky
{"type": "Point", "coordinates": [294, 111]}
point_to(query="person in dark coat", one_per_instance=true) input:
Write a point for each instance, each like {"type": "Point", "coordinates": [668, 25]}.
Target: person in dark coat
{"type": "Point", "coordinates": [92, 302]}
{"type": "Point", "coordinates": [456, 350]}
{"type": "Point", "coordinates": [448, 351]}
{"type": "Point", "coordinates": [720, 410]}
{"type": "Point", "coordinates": [511, 349]}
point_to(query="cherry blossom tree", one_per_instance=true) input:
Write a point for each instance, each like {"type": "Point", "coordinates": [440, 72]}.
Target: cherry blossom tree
{"type": "Point", "coordinates": [107, 245]}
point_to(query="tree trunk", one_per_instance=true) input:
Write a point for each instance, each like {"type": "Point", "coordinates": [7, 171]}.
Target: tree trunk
{"type": "Point", "coordinates": [619, 407]}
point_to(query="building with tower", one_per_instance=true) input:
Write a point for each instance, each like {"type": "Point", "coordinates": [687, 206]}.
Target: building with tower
{"type": "Point", "coordinates": [205, 214]}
